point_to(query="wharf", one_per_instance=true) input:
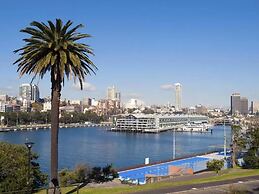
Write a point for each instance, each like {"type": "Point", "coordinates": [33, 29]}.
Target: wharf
{"type": "Point", "coordinates": [158, 130]}
{"type": "Point", "coordinates": [48, 126]}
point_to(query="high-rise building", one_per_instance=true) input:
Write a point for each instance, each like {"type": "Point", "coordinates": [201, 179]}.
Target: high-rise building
{"type": "Point", "coordinates": [118, 96]}
{"type": "Point", "coordinates": [243, 106]}
{"type": "Point", "coordinates": [254, 107]}
{"type": "Point", "coordinates": [178, 96]}
{"type": "Point", "coordinates": [111, 93]}
{"type": "Point", "coordinates": [235, 103]}
{"type": "Point", "coordinates": [29, 92]}
{"type": "Point", "coordinates": [25, 92]}
{"type": "Point", "coordinates": [239, 105]}
{"type": "Point", "coordinates": [35, 93]}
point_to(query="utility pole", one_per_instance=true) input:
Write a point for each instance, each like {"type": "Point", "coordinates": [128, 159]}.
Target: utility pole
{"type": "Point", "coordinates": [174, 144]}
{"type": "Point", "coordinates": [225, 141]}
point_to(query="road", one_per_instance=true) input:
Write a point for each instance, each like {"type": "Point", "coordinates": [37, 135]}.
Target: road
{"type": "Point", "coordinates": [219, 187]}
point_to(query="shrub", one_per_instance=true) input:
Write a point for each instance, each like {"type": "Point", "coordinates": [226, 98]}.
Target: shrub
{"type": "Point", "coordinates": [85, 174]}
{"type": "Point", "coordinates": [14, 169]}
{"type": "Point", "coordinates": [215, 165]}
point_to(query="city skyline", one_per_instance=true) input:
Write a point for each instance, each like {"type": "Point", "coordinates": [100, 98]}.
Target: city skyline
{"type": "Point", "coordinates": [211, 48]}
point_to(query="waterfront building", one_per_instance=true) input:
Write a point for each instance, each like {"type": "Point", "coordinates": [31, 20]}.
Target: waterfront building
{"type": "Point", "coordinates": [178, 96]}
{"type": "Point", "coordinates": [235, 103]}
{"type": "Point", "coordinates": [157, 123]}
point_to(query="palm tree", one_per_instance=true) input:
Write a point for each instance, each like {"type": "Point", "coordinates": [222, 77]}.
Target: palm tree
{"type": "Point", "coordinates": [53, 48]}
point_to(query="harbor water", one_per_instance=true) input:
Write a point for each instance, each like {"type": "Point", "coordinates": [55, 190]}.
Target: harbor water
{"type": "Point", "coordinates": [97, 146]}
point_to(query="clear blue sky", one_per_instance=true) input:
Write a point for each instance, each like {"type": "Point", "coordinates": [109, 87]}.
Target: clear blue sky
{"type": "Point", "coordinates": [211, 47]}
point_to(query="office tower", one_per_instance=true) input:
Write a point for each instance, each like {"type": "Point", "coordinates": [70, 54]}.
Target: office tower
{"type": "Point", "coordinates": [25, 92]}
{"type": "Point", "coordinates": [252, 108]}
{"type": "Point", "coordinates": [178, 96]}
{"type": "Point", "coordinates": [243, 106]}
{"type": "Point", "coordinates": [235, 103]}
{"type": "Point", "coordinates": [255, 107]}
{"type": "Point", "coordinates": [29, 92]}
{"type": "Point", "coordinates": [118, 96]}
{"type": "Point", "coordinates": [111, 93]}
{"type": "Point", "coordinates": [35, 93]}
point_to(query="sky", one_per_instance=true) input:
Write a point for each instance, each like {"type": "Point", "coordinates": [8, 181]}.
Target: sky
{"type": "Point", "coordinates": [145, 46]}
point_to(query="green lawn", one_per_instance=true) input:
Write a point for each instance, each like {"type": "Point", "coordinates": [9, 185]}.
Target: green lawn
{"type": "Point", "coordinates": [224, 175]}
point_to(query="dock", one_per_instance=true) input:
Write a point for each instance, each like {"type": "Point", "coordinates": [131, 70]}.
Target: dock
{"type": "Point", "coordinates": [48, 126]}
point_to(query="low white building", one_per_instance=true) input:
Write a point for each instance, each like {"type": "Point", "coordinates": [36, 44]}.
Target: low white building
{"type": "Point", "coordinates": [46, 106]}
{"type": "Point", "coordinates": [134, 103]}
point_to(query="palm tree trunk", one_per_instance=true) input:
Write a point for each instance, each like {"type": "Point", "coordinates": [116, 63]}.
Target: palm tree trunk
{"type": "Point", "coordinates": [55, 102]}
{"type": "Point", "coordinates": [234, 156]}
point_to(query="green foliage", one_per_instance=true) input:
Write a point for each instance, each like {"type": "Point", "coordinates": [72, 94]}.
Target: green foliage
{"type": "Point", "coordinates": [53, 47]}
{"type": "Point", "coordinates": [76, 117]}
{"type": "Point", "coordinates": [14, 169]}
{"type": "Point", "coordinates": [215, 165]}
{"type": "Point", "coordinates": [27, 118]}
{"type": "Point", "coordinates": [148, 111]}
{"type": "Point", "coordinates": [251, 157]}
{"type": "Point", "coordinates": [67, 177]}
{"type": "Point", "coordinates": [238, 142]}
{"type": "Point", "coordinates": [85, 174]}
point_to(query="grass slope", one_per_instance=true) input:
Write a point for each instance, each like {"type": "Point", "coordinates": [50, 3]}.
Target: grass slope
{"type": "Point", "coordinates": [224, 175]}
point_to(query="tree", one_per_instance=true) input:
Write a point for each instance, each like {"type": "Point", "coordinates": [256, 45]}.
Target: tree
{"type": "Point", "coordinates": [237, 142]}
{"type": "Point", "coordinates": [251, 157]}
{"type": "Point", "coordinates": [215, 165]}
{"type": "Point", "coordinates": [84, 175]}
{"type": "Point", "coordinates": [54, 48]}
{"type": "Point", "coordinates": [14, 168]}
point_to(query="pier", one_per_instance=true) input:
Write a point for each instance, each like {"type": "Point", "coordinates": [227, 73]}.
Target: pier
{"type": "Point", "coordinates": [48, 126]}
{"type": "Point", "coordinates": [176, 129]}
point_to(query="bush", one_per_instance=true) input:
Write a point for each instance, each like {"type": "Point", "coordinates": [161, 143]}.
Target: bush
{"type": "Point", "coordinates": [251, 159]}
{"type": "Point", "coordinates": [85, 174]}
{"type": "Point", "coordinates": [14, 169]}
{"type": "Point", "coordinates": [215, 165]}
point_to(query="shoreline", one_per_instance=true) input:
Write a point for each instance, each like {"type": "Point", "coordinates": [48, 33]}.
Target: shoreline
{"type": "Point", "coordinates": [48, 126]}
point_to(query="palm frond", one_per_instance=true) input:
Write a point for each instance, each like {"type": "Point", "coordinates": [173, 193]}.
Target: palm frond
{"type": "Point", "coordinates": [54, 48]}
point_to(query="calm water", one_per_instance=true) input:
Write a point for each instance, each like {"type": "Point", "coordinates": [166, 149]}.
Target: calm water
{"type": "Point", "coordinates": [98, 147]}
